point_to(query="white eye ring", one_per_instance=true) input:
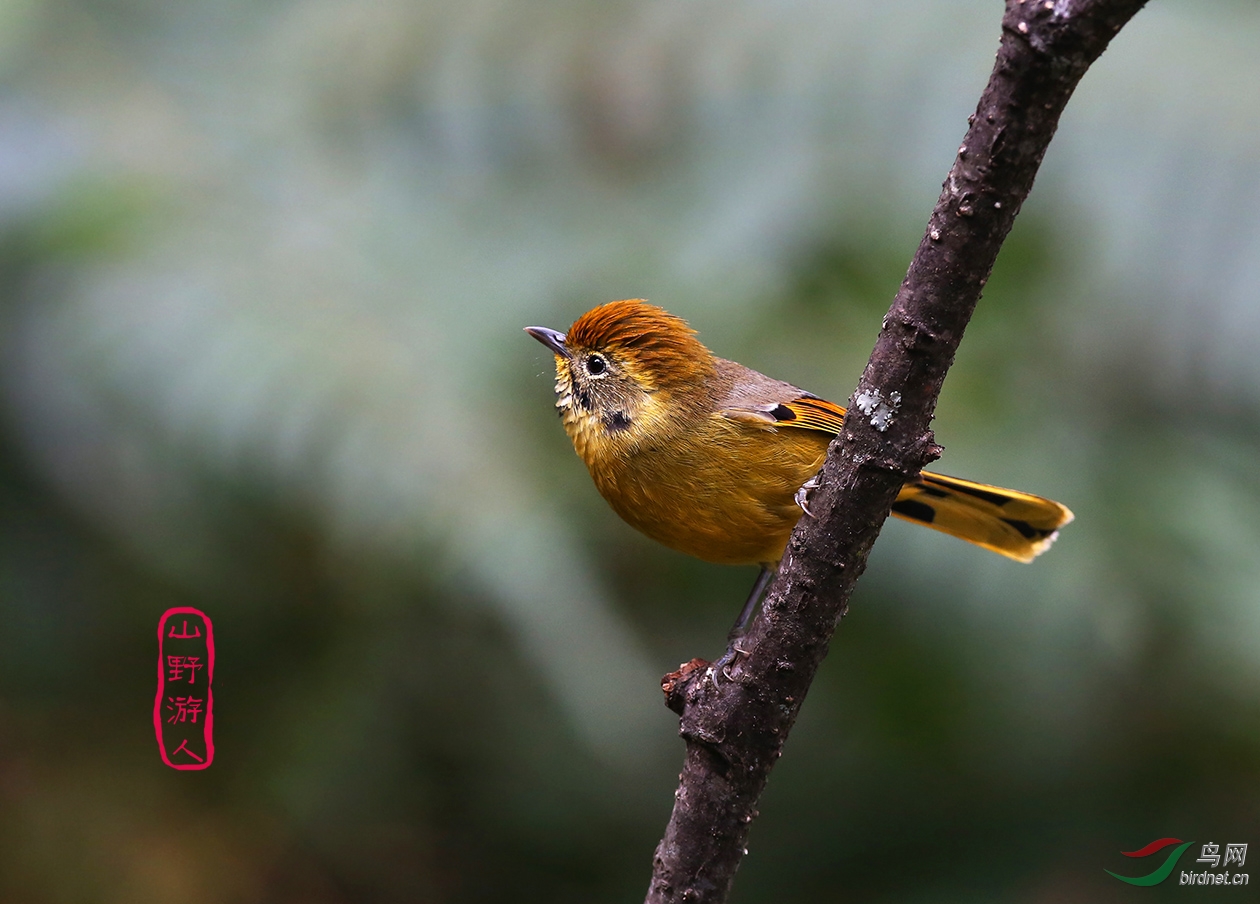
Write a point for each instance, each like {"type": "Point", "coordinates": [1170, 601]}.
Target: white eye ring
{"type": "Point", "coordinates": [596, 365]}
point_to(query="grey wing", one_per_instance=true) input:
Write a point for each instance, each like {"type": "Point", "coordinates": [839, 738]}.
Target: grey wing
{"type": "Point", "coordinates": [752, 396]}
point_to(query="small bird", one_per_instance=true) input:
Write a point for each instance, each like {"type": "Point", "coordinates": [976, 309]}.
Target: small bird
{"type": "Point", "coordinates": [714, 459]}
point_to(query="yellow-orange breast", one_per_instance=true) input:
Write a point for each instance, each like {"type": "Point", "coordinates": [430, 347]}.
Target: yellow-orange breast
{"type": "Point", "coordinates": [722, 491]}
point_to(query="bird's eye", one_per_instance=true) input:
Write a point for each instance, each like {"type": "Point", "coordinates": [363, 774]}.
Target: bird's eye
{"type": "Point", "coordinates": [596, 365]}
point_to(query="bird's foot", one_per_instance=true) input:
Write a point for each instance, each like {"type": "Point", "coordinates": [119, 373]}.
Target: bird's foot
{"type": "Point", "coordinates": [802, 495]}
{"type": "Point", "coordinates": [721, 668]}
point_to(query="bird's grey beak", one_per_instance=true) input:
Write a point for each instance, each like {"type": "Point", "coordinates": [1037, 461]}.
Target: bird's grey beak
{"type": "Point", "coordinates": [550, 338]}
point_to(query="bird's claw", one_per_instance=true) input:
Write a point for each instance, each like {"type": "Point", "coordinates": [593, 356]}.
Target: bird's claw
{"type": "Point", "coordinates": [721, 668]}
{"type": "Point", "coordinates": [802, 495]}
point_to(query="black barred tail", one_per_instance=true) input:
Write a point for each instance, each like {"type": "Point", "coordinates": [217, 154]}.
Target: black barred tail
{"type": "Point", "coordinates": [1018, 525]}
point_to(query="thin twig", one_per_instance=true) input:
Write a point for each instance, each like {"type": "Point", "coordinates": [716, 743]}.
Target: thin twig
{"type": "Point", "coordinates": [735, 728]}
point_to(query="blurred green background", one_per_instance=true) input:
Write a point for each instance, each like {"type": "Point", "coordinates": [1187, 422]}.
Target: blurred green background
{"type": "Point", "coordinates": [263, 269]}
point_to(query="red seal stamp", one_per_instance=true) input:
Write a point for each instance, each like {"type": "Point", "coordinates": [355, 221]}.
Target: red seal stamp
{"type": "Point", "coordinates": [183, 713]}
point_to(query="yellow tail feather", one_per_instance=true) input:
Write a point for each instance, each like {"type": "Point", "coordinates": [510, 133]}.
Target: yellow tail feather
{"type": "Point", "coordinates": [1017, 525]}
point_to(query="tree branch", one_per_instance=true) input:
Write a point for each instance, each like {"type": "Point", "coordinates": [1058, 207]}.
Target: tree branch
{"type": "Point", "coordinates": [734, 729]}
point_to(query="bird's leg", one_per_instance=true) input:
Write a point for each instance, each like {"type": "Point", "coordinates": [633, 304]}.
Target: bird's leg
{"type": "Point", "coordinates": [802, 495]}
{"type": "Point", "coordinates": [737, 631]}
{"type": "Point", "coordinates": [733, 650]}
{"type": "Point", "coordinates": [754, 597]}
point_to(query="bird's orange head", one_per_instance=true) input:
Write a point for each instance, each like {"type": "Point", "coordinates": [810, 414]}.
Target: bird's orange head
{"type": "Point", "coordinates": [623, 371]}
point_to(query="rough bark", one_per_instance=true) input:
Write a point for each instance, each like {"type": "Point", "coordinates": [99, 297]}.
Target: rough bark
{"type": "Point", "coordinates": [735, 726]}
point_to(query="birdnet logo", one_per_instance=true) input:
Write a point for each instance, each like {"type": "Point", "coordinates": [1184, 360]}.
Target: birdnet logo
{"type": "Point", "coordinates": [1216, 871]}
